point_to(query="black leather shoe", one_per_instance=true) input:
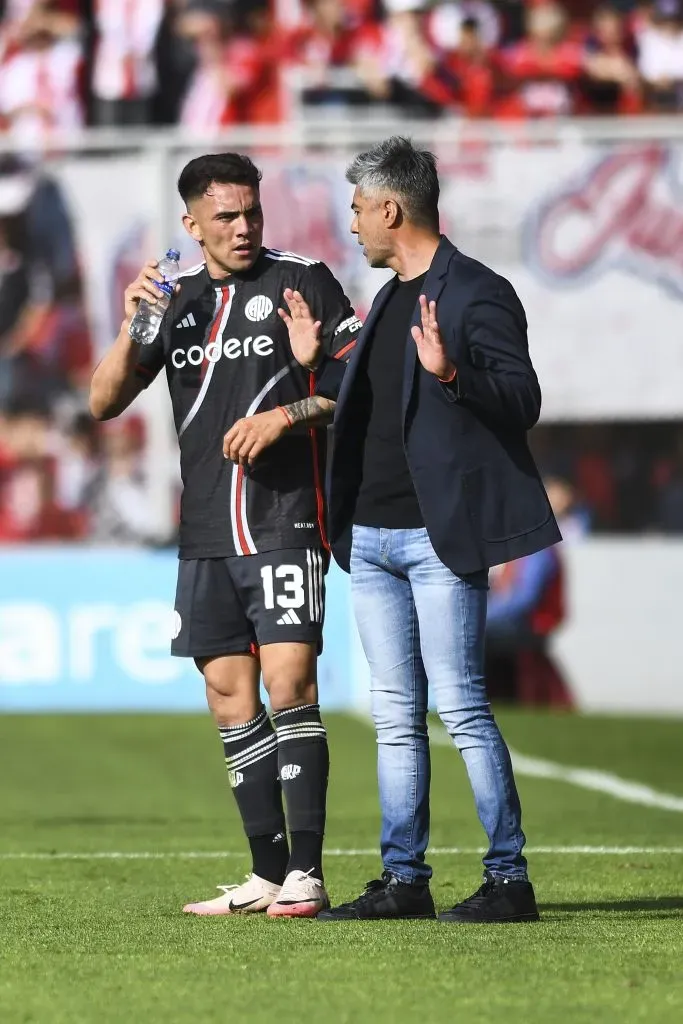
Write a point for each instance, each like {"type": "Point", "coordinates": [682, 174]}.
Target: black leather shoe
{"type": "Point", "coordinates": [385, 898]}
{"type": "Point", "coordinates": [498, 901]}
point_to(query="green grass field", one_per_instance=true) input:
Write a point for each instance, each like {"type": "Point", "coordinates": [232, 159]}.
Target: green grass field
{"type": "Point", "coordinates": [101, 939]}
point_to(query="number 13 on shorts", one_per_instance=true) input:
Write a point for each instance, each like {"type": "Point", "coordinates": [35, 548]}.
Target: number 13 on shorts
{"type": "Point", "coordinates": [290, 586]}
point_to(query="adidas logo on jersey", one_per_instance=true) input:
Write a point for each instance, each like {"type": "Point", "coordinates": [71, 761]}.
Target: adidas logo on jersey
{"type": "Point", "coordinates": [290, 771]}
{"type": "Point", "coordinates": [235, 778]}
{"type": "Point", "coordinates": [290, 618]}
{"type": "Point", "coordinates": [187, 321]}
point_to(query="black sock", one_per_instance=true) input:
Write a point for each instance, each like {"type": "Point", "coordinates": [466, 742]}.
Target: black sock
{"type": "Point", "coordinates": [251, 757]}
{"type": "Point", "coordinates": [304, 763]}
{"type": "Point", "coordinates": [270, 856]}
{"type": "Point", "coordinates": [307, 853]}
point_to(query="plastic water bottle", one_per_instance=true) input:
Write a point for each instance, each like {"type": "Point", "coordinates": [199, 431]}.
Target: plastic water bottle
{"type": "Point", "coordinates": [145, 325]}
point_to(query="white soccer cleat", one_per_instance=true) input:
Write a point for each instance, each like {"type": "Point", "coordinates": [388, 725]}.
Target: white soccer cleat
{"type": "Point", "coordinates": [251, 897]}
{"type": "Point", "coordinates": [300, 896]}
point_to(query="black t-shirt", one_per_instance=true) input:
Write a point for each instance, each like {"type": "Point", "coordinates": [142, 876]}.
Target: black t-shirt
{"type": "Point", "coordinates": [387, 496]}
{"type": "Point", "coordinates": [227, 355]}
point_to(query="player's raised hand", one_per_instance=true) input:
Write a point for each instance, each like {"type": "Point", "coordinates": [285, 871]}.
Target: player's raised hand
{"type": "Point", "coordinates": [431, 350]}
{"type": "Point", "coordinates": [304, 331]}
{"type": "Point", "coordinates": [248, 437]}
{"type": "Point", "coordinates": [144, 287]}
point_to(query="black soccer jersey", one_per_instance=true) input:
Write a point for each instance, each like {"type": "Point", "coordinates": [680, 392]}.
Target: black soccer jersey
{"type": "Point", "coordinates": [227, 355]}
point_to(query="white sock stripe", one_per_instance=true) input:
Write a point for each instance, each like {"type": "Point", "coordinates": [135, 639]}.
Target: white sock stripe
{"type": "Point", "coordinates": [237, 764]}
{"type": "Point", "coordinates": [298, 726]}
{"type": "Point", "coordinates": [264, 746]}
{"type": "Point", "coordinates": [232, 738]}
{"type": "Point", "coordinates": [233, 733]}
{"type": "Point", "coordinates": [295, 730]}
{"type": "Point", "coordinates": [254, 746]}
{"type": "Point", "coordinates": [309, 734]}
{"type": "Point", "coordinates": [245, 764]}
{"type": "Point", "coordinates": [277, 715]}
{"type": "Point", "coordinates": [263, 714]}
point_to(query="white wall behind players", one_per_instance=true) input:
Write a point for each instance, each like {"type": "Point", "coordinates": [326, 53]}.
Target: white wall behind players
{"type": "Point", "coordinates": [622, 646]}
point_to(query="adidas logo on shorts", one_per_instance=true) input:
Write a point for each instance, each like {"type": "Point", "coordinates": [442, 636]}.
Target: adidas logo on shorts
{"type": "Point", "coordinates": [290, 618]}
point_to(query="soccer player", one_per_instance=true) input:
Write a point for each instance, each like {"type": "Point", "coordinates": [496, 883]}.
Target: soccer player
{"type": "Point", "coordinates": [253, 553]}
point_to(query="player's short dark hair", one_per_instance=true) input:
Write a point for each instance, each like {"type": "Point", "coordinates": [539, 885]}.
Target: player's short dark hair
{"type": "Point", "coordinates": [223, 168]}
{"type": "Point", "coordinates": [395, 165]}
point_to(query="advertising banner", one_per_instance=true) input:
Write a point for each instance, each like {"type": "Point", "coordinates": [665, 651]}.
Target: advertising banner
{"type": "Point", "coordinates": [90, 630]}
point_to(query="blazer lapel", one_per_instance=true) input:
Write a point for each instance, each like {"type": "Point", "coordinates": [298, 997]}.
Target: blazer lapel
{"type": "Point", "coordinates": [363, 337]}
{"type": "Point", "coordinates": [434, 284]}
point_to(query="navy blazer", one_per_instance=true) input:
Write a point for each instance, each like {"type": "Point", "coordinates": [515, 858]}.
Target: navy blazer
{"type": "Point", "coordinates": [480, 493]}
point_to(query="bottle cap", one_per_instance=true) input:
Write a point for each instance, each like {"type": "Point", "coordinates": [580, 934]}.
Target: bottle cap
{"type": "Point", "coordinates": [173, 254]}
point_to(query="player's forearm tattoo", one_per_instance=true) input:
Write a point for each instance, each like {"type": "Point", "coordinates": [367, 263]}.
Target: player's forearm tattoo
{"type": "Point", "coordinates": [311, 412]}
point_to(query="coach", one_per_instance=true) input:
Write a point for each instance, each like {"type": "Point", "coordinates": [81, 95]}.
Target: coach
{"type": "Point", "coordinates": [431, 483]}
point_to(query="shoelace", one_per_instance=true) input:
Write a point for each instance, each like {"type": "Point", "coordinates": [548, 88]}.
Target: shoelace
{"type": "Point", "coordinates": [371, 888]}
{"type": "Point", "coordinates": [288, 889]}
{"type": "Point", "coordinates": [231, 888]}
{"type": "Point", "coordinates": [478, 898]}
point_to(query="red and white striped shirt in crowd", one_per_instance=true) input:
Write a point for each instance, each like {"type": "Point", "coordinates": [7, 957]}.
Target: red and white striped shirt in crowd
{"type": "Point", "coordinates": [124, 54]}
{"type": "Point", "coordinates": [238, 83]}
{"type": "Point", "coordinates": [40, 90]}
{"type": "Point", "coordinates": [15, 14]}
{"type": "Point", "coordinates": [399, 49]}
{"type": "Point", "coordinates": [205, 101]}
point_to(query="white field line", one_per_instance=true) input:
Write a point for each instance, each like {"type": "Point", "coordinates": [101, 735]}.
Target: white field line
{"type": "Point", "coordinates": [439, 851]}
{"type": "Point", "coordinates": [585, 778]}
{"type": "Point", "coordinates": [595, 779]}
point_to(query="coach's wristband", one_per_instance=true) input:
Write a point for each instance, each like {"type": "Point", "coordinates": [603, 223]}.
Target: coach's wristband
{"type": "Point", "coordinates": [290, 421]}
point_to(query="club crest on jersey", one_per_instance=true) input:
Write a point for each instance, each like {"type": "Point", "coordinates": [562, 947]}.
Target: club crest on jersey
{"type": "Point", "coordinates": [258, 308]}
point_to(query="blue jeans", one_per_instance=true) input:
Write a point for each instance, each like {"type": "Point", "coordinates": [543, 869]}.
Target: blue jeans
{"type": "Point", "coordinates": [421, 625]}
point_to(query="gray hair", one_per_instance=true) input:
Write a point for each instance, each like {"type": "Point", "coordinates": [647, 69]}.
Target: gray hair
{"type": "Point", "coordinates": [395, 165]}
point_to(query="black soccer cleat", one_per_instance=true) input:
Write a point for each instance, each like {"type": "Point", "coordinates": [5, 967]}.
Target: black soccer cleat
{"type": "Point", "coordinates": [383, 899]}
{"type": "Point", "coordinates": [498, 901]}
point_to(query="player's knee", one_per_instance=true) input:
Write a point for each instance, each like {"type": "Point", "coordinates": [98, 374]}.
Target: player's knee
{"type": "Point", "coordinates": [287, 692]}
{"type": "Point", "coordinates": [231, 709]}
{"type": "Point", "coordinates": [232, 695]}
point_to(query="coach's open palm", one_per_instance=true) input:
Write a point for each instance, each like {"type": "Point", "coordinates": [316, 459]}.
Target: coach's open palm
{"type": "Point", "coordinates": [431, 350]}
{"type": "Point", "coordinates": [304, 331]}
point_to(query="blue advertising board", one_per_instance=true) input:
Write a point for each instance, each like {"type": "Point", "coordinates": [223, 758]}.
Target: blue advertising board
{"type": "Point", "coordinates": [90, 630]}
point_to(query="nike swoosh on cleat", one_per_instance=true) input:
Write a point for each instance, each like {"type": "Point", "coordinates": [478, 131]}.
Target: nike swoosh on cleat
{"type": "Point", "coordinates": [236, 907]}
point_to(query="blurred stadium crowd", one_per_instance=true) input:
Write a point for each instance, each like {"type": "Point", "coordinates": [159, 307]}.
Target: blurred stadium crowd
{"type": "Point", "coordinates": [65, 63]}
{"type": "Point", "coordinates": [69, 62]}
{"type": "Point", "coordinates": [210, 63]}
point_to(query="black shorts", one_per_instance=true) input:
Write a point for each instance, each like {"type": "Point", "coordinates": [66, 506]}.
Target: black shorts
{"type": "Point", "coordinates": [230, 605]}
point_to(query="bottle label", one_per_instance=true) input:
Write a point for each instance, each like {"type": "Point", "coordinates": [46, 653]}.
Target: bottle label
{"type": "Point", "coordinates": [166, 287]}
